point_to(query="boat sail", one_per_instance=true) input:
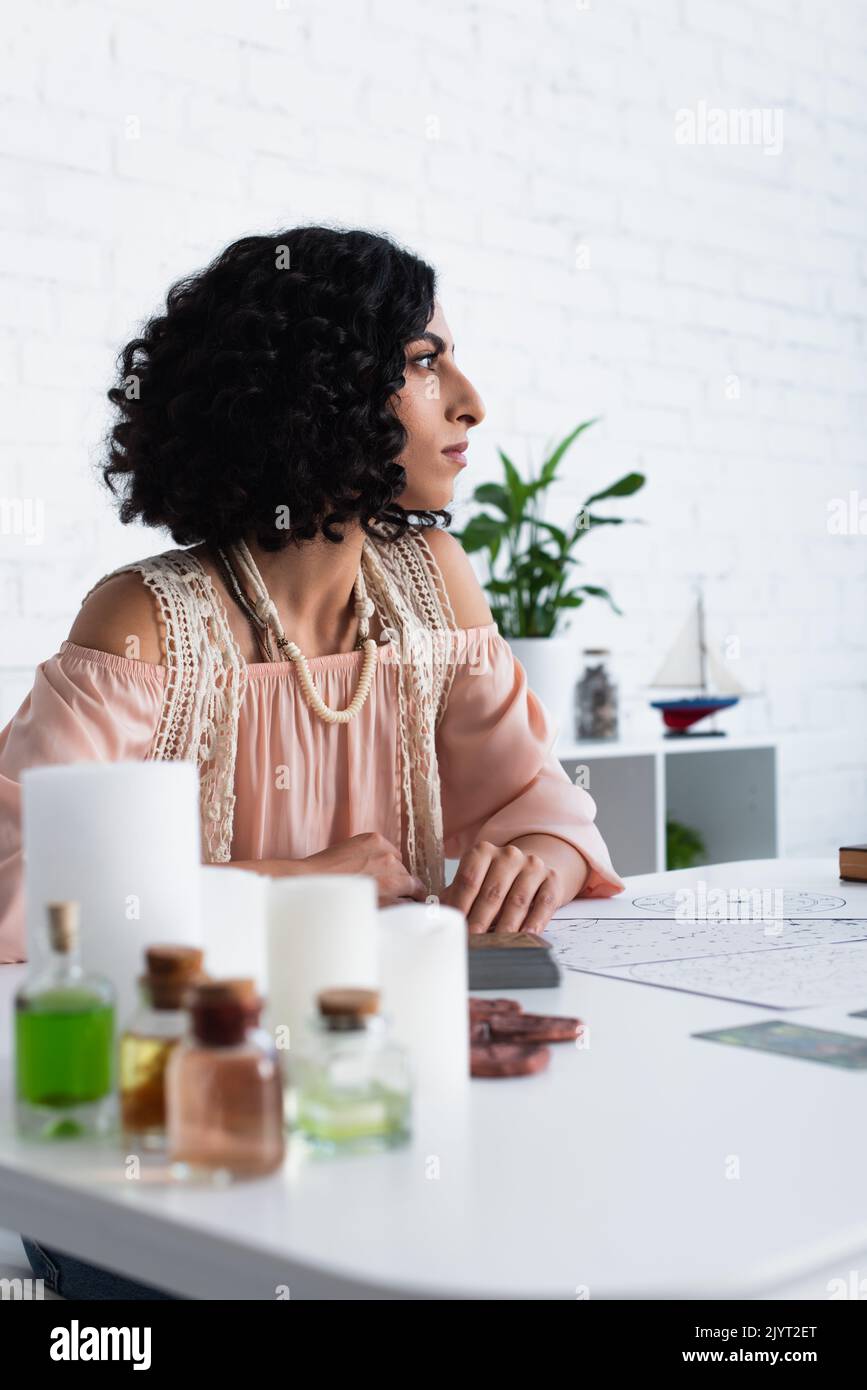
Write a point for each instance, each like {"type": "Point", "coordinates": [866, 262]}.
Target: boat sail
{"type": "Point", "coordinates": [692, 665]}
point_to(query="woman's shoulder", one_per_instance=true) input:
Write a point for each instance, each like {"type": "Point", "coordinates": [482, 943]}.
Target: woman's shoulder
{"type": "Point", "coordinates": [453, 571]}
{"type": "Point", "coordinates": [120, 614]}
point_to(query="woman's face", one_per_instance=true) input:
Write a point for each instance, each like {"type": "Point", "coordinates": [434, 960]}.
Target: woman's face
{"type": "Point", "coordinates": [437, 406]}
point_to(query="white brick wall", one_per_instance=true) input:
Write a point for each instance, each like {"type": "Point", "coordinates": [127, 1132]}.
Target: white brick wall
{"type": "Point", "coordinates": [135, 141]}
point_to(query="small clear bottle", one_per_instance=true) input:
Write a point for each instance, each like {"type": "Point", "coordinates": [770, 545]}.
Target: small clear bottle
{"type": "Point", "coordinates": [145, 1046]}
{"type": "Point", "coordinates": [354, 1089]}
{"type": "Point", "coordinates": [64, 1041]}
{"type": "Point", "coordinates": [224, 1090]}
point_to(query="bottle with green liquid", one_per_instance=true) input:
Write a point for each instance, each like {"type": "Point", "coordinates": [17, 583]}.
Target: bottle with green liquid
{"type": "Point", "coordinates": [64, 1040]}
{"type": "Point", "coordinates": [354, 1083]}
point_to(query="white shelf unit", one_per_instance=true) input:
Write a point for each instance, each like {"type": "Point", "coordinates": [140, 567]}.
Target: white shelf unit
{"type": "Point", "coordinates": [725, 788]}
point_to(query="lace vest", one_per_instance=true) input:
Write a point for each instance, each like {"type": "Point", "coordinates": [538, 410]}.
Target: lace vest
{"type": "Point", "coordinates": [206, 678]}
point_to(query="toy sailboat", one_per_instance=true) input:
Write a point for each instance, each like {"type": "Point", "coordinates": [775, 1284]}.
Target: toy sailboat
{"type": "Point", "coordinates": [691, 663]}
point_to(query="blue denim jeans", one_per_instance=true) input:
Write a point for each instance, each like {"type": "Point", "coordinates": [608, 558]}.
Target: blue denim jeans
{"type": "Point", "coordinates": [72, 1278]}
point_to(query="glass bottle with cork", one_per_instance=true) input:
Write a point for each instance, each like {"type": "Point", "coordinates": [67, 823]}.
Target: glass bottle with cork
{"type": "Point", "coordinates": [224, 1089]}
{"type": "Point", "coordinates": [353, 1082]}
{"type": "Point", "coordinates": [145, 1046]}
{"type": "Point", "coordinates": [64, 1040]}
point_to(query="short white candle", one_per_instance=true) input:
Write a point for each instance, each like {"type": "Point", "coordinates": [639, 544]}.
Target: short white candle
{"type": "Point", "coordinates": [233, 923]}
{"type": "Point", "coordinates": [321, 934]}
{"type": "Point", "coordinates": [424, 978]}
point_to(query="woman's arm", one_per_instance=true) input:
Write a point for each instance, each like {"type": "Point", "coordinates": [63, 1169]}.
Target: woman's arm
{"type": "Point", "coordinates": [571, 867]}
{"type": "Point", "coordinates": [80, 709]}
{"type": "Point", "coordinates": [273, 868]}
{"type": "Point", "coordinates": [368, 853]}
{"type": "Point", "coordinates": [523, 833]}
{"type": "Point", "coordinates": [120, 617]}
{"type": "Point", "coordinates": [518, 886]}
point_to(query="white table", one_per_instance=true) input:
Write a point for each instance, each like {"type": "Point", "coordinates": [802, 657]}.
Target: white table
{"type": "Point", "coordinates": [605, 1176]}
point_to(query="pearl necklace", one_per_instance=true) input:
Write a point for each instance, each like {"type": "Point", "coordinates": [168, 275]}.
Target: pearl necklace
{"type": "Point", "coordinates": [264, 614]}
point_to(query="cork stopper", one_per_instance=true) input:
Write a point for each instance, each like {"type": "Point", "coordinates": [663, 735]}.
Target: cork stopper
{"type": "Point", "coordinates": [245, 988]}
{"type": "Point", "coordinates": [63, 921]}
{"type": "Point", "coordinates": [220, 1010]}
{"type": "Point", "coordinates": [347, 1008]}
{"type": "Point", "coordinates": [170, 972]}
{"type": "Point", "coordinates": [247, 991]}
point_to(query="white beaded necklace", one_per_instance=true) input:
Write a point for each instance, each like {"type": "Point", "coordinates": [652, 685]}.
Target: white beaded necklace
{"type": "Point", "coordinates": [265, 614]}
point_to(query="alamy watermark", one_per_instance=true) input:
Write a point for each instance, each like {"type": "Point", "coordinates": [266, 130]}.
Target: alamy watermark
{"type": "Point", "coordinates": [761, 126]}
{"type": "Point", "coordinates": [23, 516]}
{"type": "Point", "coordinates": [704, 904]}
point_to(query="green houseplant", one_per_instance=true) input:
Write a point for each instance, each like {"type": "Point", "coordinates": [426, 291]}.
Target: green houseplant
{"type": "Point", "coordinates": [684, 847]}
{"type": "Point", "coordinates": [530, 597]}
{"type": "Point", "coordinates": [531, 563]}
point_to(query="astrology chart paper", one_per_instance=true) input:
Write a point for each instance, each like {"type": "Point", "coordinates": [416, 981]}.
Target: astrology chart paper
{"type": "Point", "coordinates": [791, 963]}
{"type": "Point", "coordinates": [850, 900]}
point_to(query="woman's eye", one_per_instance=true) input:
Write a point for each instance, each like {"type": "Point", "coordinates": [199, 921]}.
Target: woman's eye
{"type": "Point", "coordinates": [430, 357]}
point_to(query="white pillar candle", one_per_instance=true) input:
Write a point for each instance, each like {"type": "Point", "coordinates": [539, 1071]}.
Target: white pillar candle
{"type": "Point", "coordinates": [423, 970]}
{"type": "Point", "coordinates": [123, 840]}
{"type": "Point", "coordinates": [233, 923]}
{"type": "Point", "coordinates": [321, 933]}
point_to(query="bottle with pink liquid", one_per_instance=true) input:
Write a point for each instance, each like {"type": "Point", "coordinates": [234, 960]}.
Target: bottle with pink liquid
{"type": "Point", "coordinates": [224, 1089]}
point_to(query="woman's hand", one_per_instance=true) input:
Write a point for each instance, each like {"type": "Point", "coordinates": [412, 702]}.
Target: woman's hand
{"type": "Point", "coordinates": [368, 853]}
{"type": "Point", "coordinates": [502, 888]}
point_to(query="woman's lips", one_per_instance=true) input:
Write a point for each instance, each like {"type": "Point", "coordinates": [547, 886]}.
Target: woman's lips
{"type": "Point", "coordinates": [456, 453]}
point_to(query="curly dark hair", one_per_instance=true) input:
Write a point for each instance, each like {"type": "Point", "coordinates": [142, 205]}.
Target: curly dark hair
{"type": "Point", "coordinates": [267, 385]}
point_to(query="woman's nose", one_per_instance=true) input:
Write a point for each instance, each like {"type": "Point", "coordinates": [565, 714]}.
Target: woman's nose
{"type": "Point", "coordinates": [470, 406]}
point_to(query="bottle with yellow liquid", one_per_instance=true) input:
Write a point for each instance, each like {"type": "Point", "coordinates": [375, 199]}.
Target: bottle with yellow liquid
{"type": "Point", "coordinates": [147, 1044]}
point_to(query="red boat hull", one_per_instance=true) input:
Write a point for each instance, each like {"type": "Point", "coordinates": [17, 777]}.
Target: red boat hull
{"type": "Point", "coordinates": [680, 715]}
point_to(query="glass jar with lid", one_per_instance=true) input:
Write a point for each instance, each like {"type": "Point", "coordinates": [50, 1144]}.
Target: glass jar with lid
{"type": "Point", "coordinates": [596, 697]}
{"type": "Point", "coordinates": [353, 1081]}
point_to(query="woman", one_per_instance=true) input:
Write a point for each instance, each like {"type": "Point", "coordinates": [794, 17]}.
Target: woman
{"type": "Point", "coordinates": [296, 419]}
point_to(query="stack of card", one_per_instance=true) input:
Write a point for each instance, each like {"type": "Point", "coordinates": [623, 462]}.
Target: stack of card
{"type": "Point", "coordinates": [853, 862]}
{"type": "Point", "coordinates": [511, 960]}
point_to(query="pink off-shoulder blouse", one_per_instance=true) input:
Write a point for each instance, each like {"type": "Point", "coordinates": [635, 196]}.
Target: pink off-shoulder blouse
{"type": "Point", "coordinates": [499, 778]}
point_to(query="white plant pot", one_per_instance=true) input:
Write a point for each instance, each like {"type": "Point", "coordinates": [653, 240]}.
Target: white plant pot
{"type": "Point", "coordinates": [552, 670]}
